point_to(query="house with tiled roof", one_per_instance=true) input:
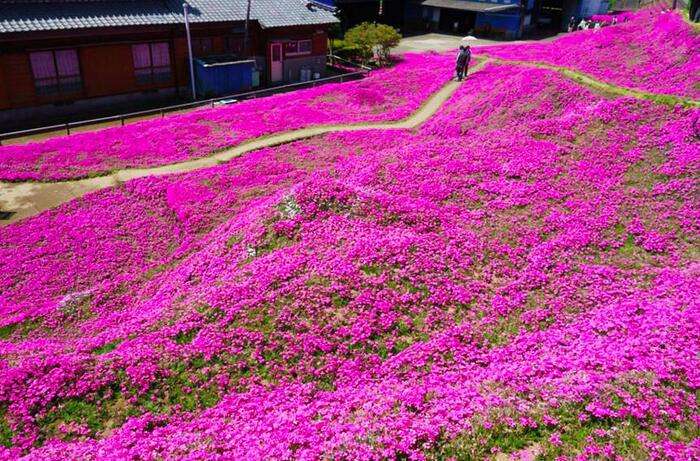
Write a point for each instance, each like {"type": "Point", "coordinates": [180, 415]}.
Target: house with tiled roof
{"type": "Point", "coordinates": [65, 56]}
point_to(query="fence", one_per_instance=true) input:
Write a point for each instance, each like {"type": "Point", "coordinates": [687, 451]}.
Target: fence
{"type": "Point", "coordinates": [161, 111]}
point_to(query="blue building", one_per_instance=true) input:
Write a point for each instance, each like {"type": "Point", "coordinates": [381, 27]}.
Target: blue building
{"type": "Point", "coordinates": [502, 18]}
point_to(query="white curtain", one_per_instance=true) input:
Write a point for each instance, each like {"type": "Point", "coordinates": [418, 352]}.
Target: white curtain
{"type": "Point", "coordinates": [142, 56]}
{"type": "Point", "coordinates": [67, 61]}
{"type": "Point", "coordinates": [42, 64]}
{"type": "Point", "coordinates": [161, 55]}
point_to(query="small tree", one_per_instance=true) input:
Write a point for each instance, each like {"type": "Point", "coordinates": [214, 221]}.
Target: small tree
{"type": "Point", "coordinates": [370, 38]}
{"type": "Point", "coordinates": [361, 37]}
{"type": "Point", "coordinates": [386, 38]}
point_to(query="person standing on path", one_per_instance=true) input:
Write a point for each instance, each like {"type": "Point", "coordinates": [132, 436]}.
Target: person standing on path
{"type": "Point", "coordinates": [572, 25]}
{"type": "Point", "coordinates": [462, 64]}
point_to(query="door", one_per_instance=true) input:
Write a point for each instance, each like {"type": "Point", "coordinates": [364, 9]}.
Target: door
{"type": "Point", "coordinates": [276, 64]}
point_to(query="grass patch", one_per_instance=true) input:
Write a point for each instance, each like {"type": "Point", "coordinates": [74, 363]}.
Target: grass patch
{"type": "Point", "coordinates": [574, 433]}
{"type": "Point", "coordinates": [6, 433]}
{"type": "Point", "coordinates": [233, 240]}
{"type": "Point", "coordinates": [629, 248]}
{"type": "Point", "coordinates": [109, 347]}
{"type": "Point", "coordinates": [7, 330]}
{"type": "Point", "coordinates": [371, 270]}
{"type": "Point", "coordinates": [211, 314]}
{"type": "Point", "coordinates": [179, 390]}
{"type": "Point", "coordinates": [641, 175]}
{"type": "Point", "coordinates": [483, 442]}
{"type": "Point", "coordinates": [186, 337]}
{"type": "Point", "coordinates": [19, 328]}
{"type": "Point", "coordinates": [506, 329]}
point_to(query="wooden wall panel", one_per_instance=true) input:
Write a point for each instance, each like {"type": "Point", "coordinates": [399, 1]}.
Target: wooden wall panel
{"type": "Point", "coordinates": [107, 70]}
{"type": "Point", "coordinates": [18, 80]}
{"type": "Point", "coordinates": [181, 64]}
{"type": "Point", "coordinates": [4, 98]}
{"type": "Point", "coordinates": [320, 44]}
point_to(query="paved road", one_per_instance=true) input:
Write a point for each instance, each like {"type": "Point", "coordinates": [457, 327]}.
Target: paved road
{"type": "Point", "coordinates": [445, 42]}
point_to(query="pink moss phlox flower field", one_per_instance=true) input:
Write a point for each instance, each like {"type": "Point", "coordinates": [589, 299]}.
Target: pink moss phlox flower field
{"type": "Point", "coordinates": [620, 16]}
{"type": "Point", "coordinates": [389, 94]}
{"type": "Point", "coordinates": [653, 51]}
{"type": "Point", "coordinates": [520, 275]}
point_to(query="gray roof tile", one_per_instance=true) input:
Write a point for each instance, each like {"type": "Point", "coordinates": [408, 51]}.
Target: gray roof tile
{"type": "Point", "coordinates": [38, 15]}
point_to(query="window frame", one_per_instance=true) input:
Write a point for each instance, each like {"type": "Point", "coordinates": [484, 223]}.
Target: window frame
{"type": "Point", "coordinates": [198, 45]}
{"type": "Point", "coordinates": [229, 40]}
{"type": "Point", "coordinates": [154, 78]}
{"type": "Point", "coordinates": [298, 44]}
{"type": "Point", "coordinates": [65, 85]}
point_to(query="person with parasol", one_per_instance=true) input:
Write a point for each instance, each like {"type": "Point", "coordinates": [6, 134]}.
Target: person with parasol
{"type": "Point", "coordinates": [463, 58]}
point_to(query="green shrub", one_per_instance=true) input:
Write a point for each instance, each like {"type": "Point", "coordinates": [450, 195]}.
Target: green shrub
{"type": "Point", "coordinates": [362, 38]}
{"type": "Point", "coordinates": [344, 50]}
{"type": "Point", "coordinates": [368, 40]}
{"type": "Point", "coordinates": [386, 38]}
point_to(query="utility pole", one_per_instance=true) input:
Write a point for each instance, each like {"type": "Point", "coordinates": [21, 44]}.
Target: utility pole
{"type": "Point", "coordinates": [246, 38]}
{"type": "Point", "coordinates": [185, 8]}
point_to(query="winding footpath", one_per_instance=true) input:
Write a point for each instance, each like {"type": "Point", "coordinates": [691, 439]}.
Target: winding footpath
{"type": "Point", "coordinates": [26, 199]}
{"type": "Point", "coordinates": [601, 86]}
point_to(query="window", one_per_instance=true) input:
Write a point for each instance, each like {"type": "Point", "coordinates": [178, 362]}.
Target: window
{"type": "Point", "coordinates": [234, 45]}
{"type": "Point", "coordinates": [296, 48]}
{"type": "Point", "coordinates": [56, 72]}
{"type": "Point", "coordinates": [151, 63]}
{"type": "Point", "coordinates": [202, 46]}
{"type": "Point", "coordinates": [305, 46]}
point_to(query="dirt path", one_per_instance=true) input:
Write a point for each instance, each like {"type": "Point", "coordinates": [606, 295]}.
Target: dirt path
{"type": "Point", "coordinates": [599, 85]}
{"type": "Point", "coordinates": [30, 198]}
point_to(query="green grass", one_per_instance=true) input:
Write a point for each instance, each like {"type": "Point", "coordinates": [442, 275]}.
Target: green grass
{"type": "Point", "coordinates": [575, 434]}
{"type": "Point", "coordinates": [481, 443]}
{"type": "Point", "coordinates": [186, 337]}
{"type": "Point", "coordinates": [78, 411]}
{"type": "Point", "coordinates": [629, 248]}
{"type": "Point", "coordinates": [643, 174]}
{"type": "Point", "coordinates": [211, 314]}
{"type": "Point", "coordinates": [6, 433]}
{"type": "Point", "coordinates": [506, 329]}
{"type": "Point", "coordinates": [179, 390]}
{"type": "Point", "coordinates": [109, 347]}
{"type": "Point", "coordinates": [7, 330]}
{"type": "Point", "coordinates": [233, 240]}
{"type": "Point", "coordinates": [371, 270]}
{"type": "Point", "coordinates": [19, 328]}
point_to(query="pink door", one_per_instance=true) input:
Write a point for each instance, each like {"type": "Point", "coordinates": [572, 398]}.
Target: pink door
{"type": "Point", "coordinates": [276, 63]}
